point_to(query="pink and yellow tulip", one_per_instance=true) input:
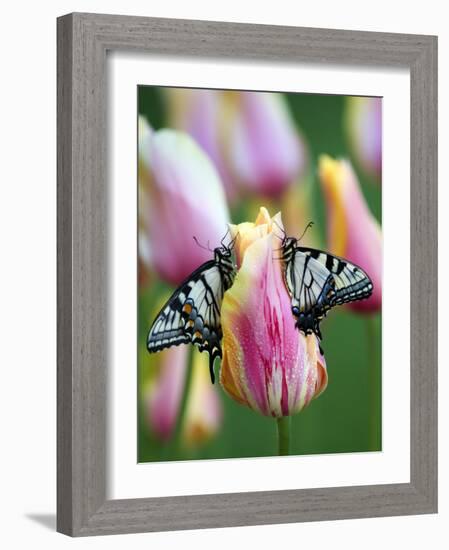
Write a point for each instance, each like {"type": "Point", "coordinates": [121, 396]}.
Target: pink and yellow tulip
{"type": "Point", "coordinates": [268, 365]}
{"type": "Point", "coordinates": [353, 232]}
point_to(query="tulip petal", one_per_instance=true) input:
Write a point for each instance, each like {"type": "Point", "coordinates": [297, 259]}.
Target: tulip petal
{"type": "Point", "coordinates": [185, 199]}
{"type": "Point", "coordinates": [266, 151]}
{"type": "Point", "coordinates": [364, 127]}
{"type": "Point", "coordinates": [164, 394]}
{"type": "Point", "coordinates": [200, 114]}
{"type": "Point", "coordinates": [353, 232]}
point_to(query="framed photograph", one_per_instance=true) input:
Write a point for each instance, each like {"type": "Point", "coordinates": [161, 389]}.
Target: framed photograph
{"type": "Point", "coordinates": [247, 274]}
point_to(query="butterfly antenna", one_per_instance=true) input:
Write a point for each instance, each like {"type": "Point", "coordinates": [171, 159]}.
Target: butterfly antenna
{"type": "Point", "coordinates": [282, 230]}
{"type": "Point", "coordinates": [202, 246]}
{"type": "Point", "coordinates": [305, 230]}
{"type": "Point", "coordinates": [225, 235]}
{"type": "Point", "coordinates": [232, 242]}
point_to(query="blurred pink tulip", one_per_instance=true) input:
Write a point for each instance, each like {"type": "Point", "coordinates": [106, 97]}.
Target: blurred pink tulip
{"type": "Point", "coordinates": [266, 152]}
{"type": "Point", "coordinates": [250, 136]}
{"type": "Point", "coordinates": [199, 113]}
{"type": "Point", "coordinates": [364, 128]}
{"type": "Point", "coordinates": [163, 397]}
{"type": "Point", "coordinates": [203, 410]}
{"type": "Point", "coordinates": [268, 365]}
{"type": "Point", "coordinates": [145, 133]}
{"type": "Point", "coordinates": [181, 197]}
{"type": "Point", "coordinates": [353, 232]}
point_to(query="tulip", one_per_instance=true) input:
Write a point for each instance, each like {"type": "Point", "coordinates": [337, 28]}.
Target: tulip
{"type": "Point", "coordinates": [203, 409]}
{"type": "Point", "coordinates": [144, 249]}
{"type": "Point", "coordinates": [250, 136]}
{"type": "Point", "coordinates": [266, 152]}
{"type": "Point", "coordinates": [268, 365]}
{"type": "Point", "coordinates": [363, 119]}
{"type": "Point", "coordinates": [164, 394]}
{"type": "Point", "coordinates": [198, 112]}
{"type": "Point", "coordinates": [352, 232]}
{"type": "Point", "coordinates": [181, 197]}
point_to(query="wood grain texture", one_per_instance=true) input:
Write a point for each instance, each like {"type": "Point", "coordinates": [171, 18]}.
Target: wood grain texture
{"type": "Point", "coordinates": [423, 272]}
{"type": "Point", "coordinates": [83, 40]}
{"type": "Point", "coordinates": [64, 276]}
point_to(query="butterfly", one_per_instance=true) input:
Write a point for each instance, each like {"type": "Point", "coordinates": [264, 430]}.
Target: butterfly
{"type": "Point", "coordinates": [318, 281]}
{"type": "Point", "coordinates": [192, 313]}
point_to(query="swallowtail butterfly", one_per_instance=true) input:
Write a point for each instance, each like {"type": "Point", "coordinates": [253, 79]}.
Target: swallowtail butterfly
{"type": "Point", "coordinates": [192, 313]}
{"type": "Point", "coordinates": [318, 281]}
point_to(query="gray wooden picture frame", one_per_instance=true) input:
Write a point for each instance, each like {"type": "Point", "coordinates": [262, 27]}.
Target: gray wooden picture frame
{"type": "Point", "coordinates": [83, 41]}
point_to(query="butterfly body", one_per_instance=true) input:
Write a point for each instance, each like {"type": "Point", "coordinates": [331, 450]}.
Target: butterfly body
{"type": "Point", "coordinates": [318, 281]}
{"type": "Point", "coordinates": [192, 313]}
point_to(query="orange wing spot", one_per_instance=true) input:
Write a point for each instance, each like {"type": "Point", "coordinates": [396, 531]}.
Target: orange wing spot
{"type": "Point", "coordinates": [197, 334]}
{"type": "Point", "coordinates": [190, 323]}
{"type": "Point", "coordinates": [187, 308]}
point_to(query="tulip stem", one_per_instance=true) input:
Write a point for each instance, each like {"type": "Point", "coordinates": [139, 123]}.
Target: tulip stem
{"type": "Point", "coordinates": [183, 404]}
{"type": "Point", "coordinates": [283, 427]}
{"type": "Point", "coordinates": [375, 383]}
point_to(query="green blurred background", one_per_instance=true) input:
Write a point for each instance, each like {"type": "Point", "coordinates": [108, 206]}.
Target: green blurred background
{"type": "Point", "coordinates": [347, 416]}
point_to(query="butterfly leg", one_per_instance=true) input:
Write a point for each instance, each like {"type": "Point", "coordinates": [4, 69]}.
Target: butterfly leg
{"type": "Point", "coordinates": [211, 367]}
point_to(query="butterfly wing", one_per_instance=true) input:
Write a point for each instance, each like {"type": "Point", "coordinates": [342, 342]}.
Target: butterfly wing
{"type": "Point", "coordinates": [192, 314]}
{"type": "Point", "coordinates": [311, 287]}
{"type": "Point", "coordinates": [318, 281]}
{"type": "Point", "coordinates": [351, 282]}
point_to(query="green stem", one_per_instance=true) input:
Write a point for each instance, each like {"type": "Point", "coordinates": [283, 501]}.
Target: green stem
{"type": "Point", "coordinates": [183, 406]}
{"type": "Point", "coordinates": [375, 383]}
{"type": "Point", "coordinates": [283, 428]}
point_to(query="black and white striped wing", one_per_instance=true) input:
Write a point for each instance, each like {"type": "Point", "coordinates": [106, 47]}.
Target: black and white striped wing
{"type": "Point", "coordinates": [318, 281]}
{"type": "Point", "coordinates": [192, 314]}
{"type": "Point", "coordinates": [351, 282]}
{"type": "Point", "coordinates": [311, 287]}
